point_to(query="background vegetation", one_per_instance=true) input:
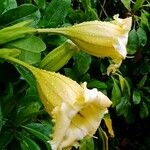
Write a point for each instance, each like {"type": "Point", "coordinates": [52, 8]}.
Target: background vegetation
{"type": "Point", "coordinates": [22, 117]}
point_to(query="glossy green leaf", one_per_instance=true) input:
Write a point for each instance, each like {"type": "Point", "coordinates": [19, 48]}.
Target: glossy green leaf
{"type": "Point", "coordinates": [87, 144]}
{"type": "Point", "coordinates": [41, 3]}
{"type": "Point", "coordinates": [127, 87]}
{"type": "Point", "coordinates": [31, 44]}
{"type": "Point", "coordinates": [30, 48]}
{"type": "Point", "coordinates": [28, 77]}
{"type": "Point", "coordinates": [55, 13]}
{"type": "Point", "coordinates": [142, 81]}
{"type": "Point", "coordinates": [22, 12]}
{"type": "Point", "coordinates": [122, 83]}
{"type": "Point", "coordinates": [145, 20]}
{"type": "Point", "coordinates": [142, 36]}
{"type": "Point", "coordinates": [122, 106]}
{"type": "Point", "coordinates": [90, 13]}
{"type": "Point", "coordinates": [37, 131]}
{"type": "Point", "coordinates": [133, 42]}
{"type": "Point", "coordinates": [103, 139]}
{"type": "Point", "coordinates": [30, 107]}
{"type": "Point", "coordinates": [97, 84]}
{"type": "Point", "coordinates": [126, 3]}
{"type": "Point", "coordinates": [28, 144]}
{"type": "Point", "coordinates": [5, 5]}
{"type": "Point", "coordinates": [44, 128]}
{"type": "Point", "coordinates": [82, 62]}
{"type": "Point", "coordinates": [136, 97]}
{"type": "Point", "coordinates": [30, 57]}
{"type": "Point", "coordinates": [70, 73]}
{"type": "Point", "coordinates": [138, 4]}
{"type": "Point", "coordinates": [144, 112]}
{"type": "Point", "coordinates": [116, 93]}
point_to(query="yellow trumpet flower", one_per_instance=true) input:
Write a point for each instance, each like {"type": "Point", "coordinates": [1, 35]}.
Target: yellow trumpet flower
{"type": "Point", "coordinates": [101, 39]}
{"type": "Point", "coordinates": [76, 110]}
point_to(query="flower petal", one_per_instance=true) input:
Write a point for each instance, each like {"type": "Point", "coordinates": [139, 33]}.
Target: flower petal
{"type": "Point", "coordinates": [84, 120]}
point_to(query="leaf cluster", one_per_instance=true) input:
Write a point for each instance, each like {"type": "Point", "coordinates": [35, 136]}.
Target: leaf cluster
{"type": "Point", "coordinates": [23, 122]}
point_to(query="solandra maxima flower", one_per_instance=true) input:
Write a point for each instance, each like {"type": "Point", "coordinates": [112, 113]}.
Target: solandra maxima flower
{"type": "Point", "coordinates": [101, 39]}
{"type": "Point", "coordinates": [76, 110]}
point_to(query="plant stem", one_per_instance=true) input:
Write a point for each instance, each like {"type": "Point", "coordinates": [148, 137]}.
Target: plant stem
{"type": "Point", "coordinates": [18, 62]}
{"type": "Point", "coordinates": [52, 30]}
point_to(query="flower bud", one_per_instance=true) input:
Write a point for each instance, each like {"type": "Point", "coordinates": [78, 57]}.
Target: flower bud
{"type": "Point", "coordinates": [57, 58]}
{"type": "Point", "coordinates": [101, 39]}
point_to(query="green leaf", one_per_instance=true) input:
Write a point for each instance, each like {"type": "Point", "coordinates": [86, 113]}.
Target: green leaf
{"type": "Point", "coordinates": [29, 108]}
{"type": "Point", "coordinates": [126, 3]}
{"type": "Point", "coordinates": [122, 83]}
{"type": "Point", "coordinates": [90, 12]}
{"type": "Point", "coordinates": [87, 144]}
{"type": "Point", "coordinates": [23, 12]}
{"type": "Point", "coordinates": [97, 84]}
{"type": "Point", "coordinates": [70, 73]}
{"type": "Point", "coordinates": [142, 81]}
{"type": "Point", "coordinates": [145, 20]}
{"type": "Point", "coordinates": [37, 130]}
{"type": "Point", "coordinates": [41, 3]}
{"type": "Point", "coordinates": [143, 110]}
{"type": "Point", "coordinates": [128, 87]}
{"type": "Point", "coordinates": [142, 37]}
{"type": "Point", "coordinates": [44, 128]}
{"type": "Point", "coordinates": [133, 42]}
{"type": "Point", "coordinates": [28, 144]}
{"type": "Point", "coordinates": [122, 106]}
{"type": "Point", "coordinates": [136, 97]}
{"type": "Point", "coordinates": [29, 57]}
{"type": "Point", "coordinates": [30, 47]}
{"type": "Point", "coordinates": [103, 139]}
{"type": "Point", "coordinates": [138, 4]}
{"type": "Point", "coordinates": [82, 62]}
{"type": "Point", "coordinates": [125, 87]}
{"type": "Point", "coordinates": [55, 13]}
{"type": "Point", "coordinates": [31, 44]}
{"type": "Point", "coordinates": [5, 5]}
{"type": "Point", "coordinates": [28, 76]}
{"type": "Point", "coordinates": [116, 93]}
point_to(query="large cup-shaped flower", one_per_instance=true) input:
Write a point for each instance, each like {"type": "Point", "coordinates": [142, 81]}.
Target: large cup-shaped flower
{"type": "Point", "coordinates": [101, 39]}
{"type": "Point", "coordinates": [76, 110]}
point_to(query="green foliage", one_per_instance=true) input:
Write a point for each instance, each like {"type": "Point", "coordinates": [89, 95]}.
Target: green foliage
{"type": "Point", "coordinates": [87, 144]}
{"type": "Point", "coordinates": [31, 48]}
{"type": "Point", "coordinates": [55, 13]}
{"type": "Point", "coordinates": [24, 124]}
{"type": "Point", "coordinates": [20, 13]}
{"type": "Point", "coordinates": [126, 3]}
